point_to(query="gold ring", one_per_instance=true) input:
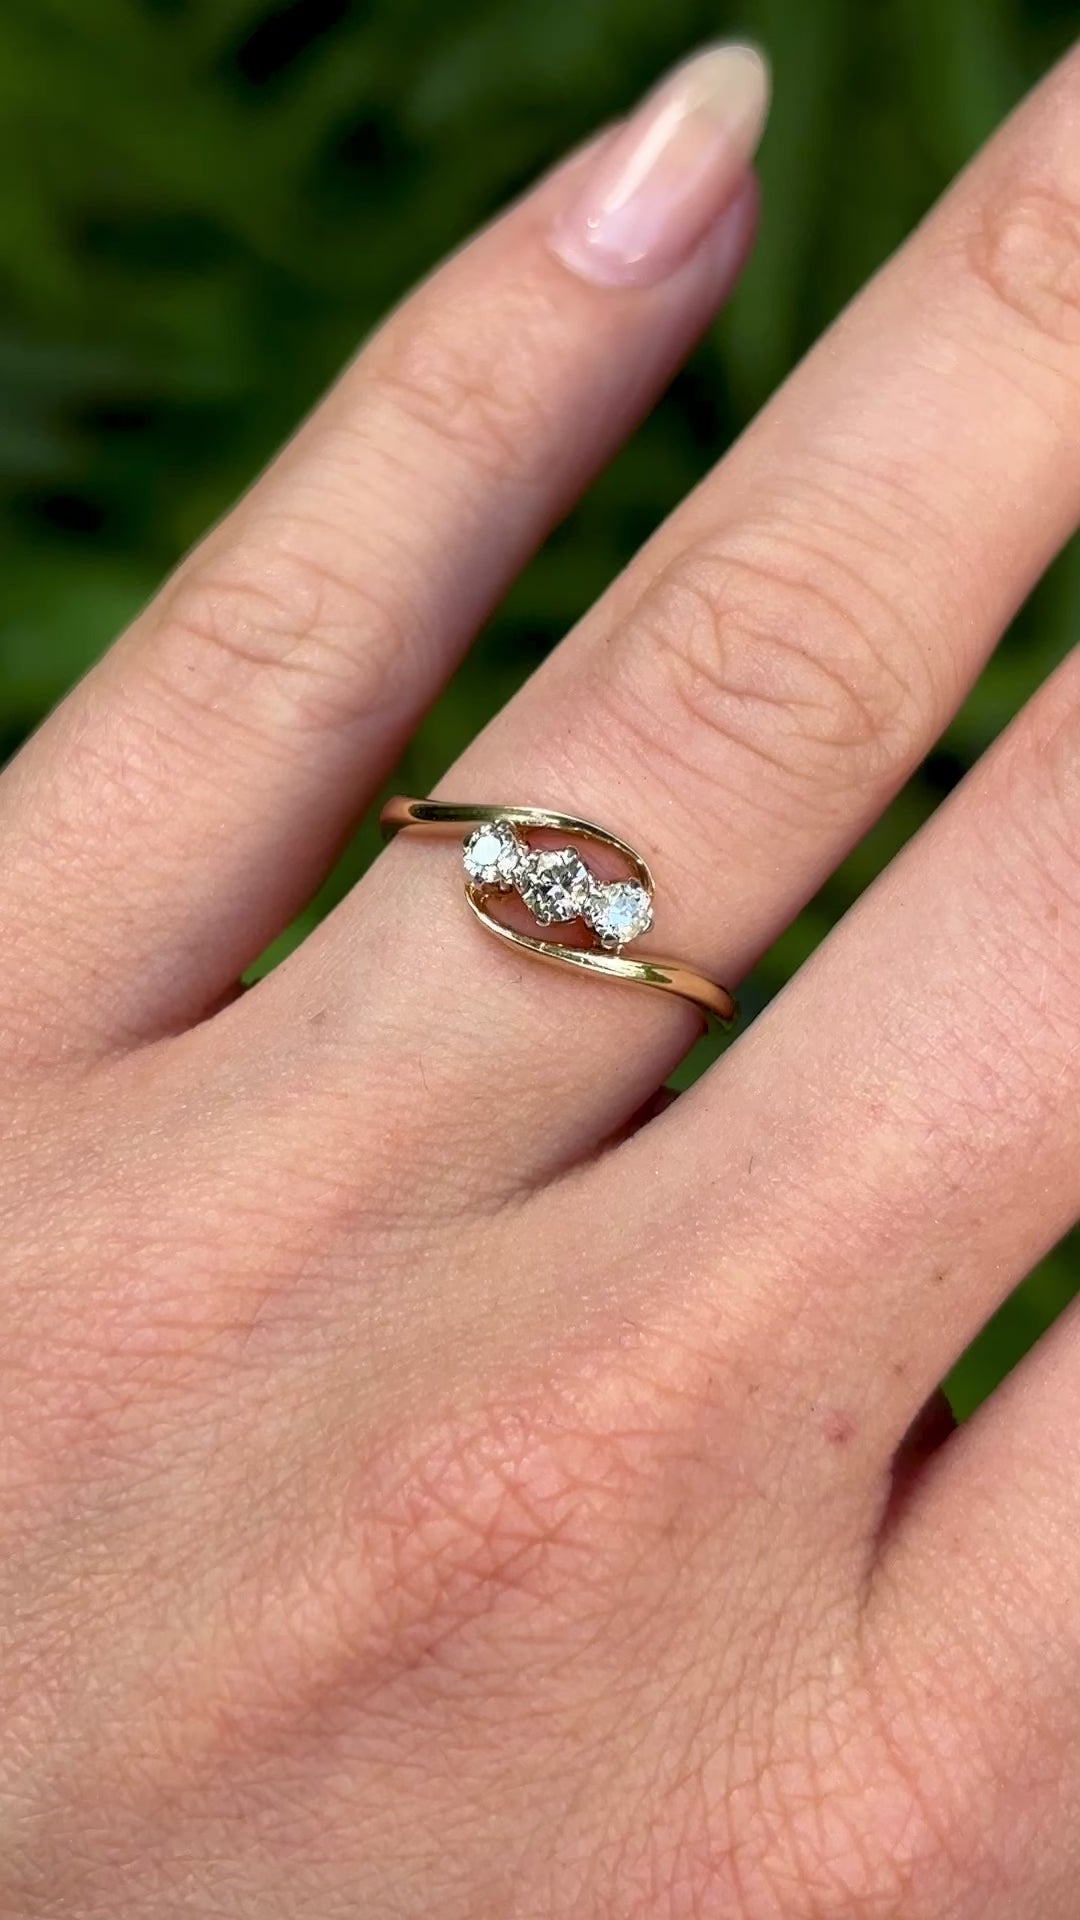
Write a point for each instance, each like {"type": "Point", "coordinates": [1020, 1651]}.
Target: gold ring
{"type": "Point", "coordinates": [556, 886]}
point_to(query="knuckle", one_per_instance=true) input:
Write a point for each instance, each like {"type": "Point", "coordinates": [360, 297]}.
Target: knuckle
{"type": "Point", "coordinates": [511, 1505]}
{"type": "Point", "coordinates": [1026, 252]}
{"type": "Point", "coordinates": [790, 1804]}
{"type": "Point", "coordinates": [541, 1514]}
{"type": "Point", "coordinates": [478, 391]}
{"type": "Point", "coordinates": [955, 1760]}
{"type": "Point", "coordinates": [277, 638]}
{"type": "Point", "coordinates": [774, 653]}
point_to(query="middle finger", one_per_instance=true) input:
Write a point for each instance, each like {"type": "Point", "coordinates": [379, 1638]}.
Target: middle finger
{"type": "Point", "coordinates": [752, 691]}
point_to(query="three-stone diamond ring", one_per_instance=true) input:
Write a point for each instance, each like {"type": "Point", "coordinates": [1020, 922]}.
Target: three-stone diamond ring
{"type": "Point", "coordinates": [557, 887]}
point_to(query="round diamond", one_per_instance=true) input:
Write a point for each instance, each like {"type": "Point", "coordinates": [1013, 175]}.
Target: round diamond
{"type": "Point", "coordinates": [493, 855]}
{"type": "Point", "coordinates": [555, 885]}
{"type": "Point", "coordinates": [618, 911]}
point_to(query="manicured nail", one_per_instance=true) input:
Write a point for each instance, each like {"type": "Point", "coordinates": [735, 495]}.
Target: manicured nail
{"type": "Point", "coordinates": [657, 187]}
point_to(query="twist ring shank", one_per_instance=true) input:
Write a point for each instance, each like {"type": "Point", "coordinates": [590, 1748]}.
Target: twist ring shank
{"type": "Point", "coordinates": [446, 819]}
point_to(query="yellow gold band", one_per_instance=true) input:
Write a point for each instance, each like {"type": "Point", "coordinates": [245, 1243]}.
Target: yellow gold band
{"type": "Point", "coordinates": [556, 886]}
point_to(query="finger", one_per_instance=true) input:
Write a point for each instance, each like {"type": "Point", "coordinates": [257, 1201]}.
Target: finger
{"type": "Point", "coordinates": [897, 1141]}
{"type": "Point", "coordinates": [982, 1560]}
{"type": "Point", "coordinates": [186, 800]}
{"type": "Point", "coordinates": [762, 679]}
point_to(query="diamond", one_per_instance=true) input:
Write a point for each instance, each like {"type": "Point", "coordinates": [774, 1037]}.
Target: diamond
{"type": "Point", "coordinates": [493, 855]}
{"type": "Point", "coordinates": [618, 911]}
{"type": "Point", "coordinates": [555, 885]}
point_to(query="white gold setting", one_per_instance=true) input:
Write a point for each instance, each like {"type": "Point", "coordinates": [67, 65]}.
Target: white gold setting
{"type": "Point", "coordinates": [618, 911]}
{"type": "Point", "coordinates": [556, 885]}
{"type": "Point", "coordinates": [494, 856]}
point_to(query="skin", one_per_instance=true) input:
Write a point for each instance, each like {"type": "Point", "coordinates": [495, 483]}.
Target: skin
{"type": "Point", "coordinates": [422, 1489]}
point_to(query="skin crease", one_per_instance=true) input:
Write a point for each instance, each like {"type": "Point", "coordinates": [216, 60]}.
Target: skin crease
{"type": "Point", "coordinates": [424, 1490]}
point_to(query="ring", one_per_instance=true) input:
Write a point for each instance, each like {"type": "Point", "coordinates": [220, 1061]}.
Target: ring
{"type": "Point", "coordinates": [557, 887]}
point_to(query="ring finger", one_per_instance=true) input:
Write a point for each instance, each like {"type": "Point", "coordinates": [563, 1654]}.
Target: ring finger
{"type": "Point", "coordinates": [752, 691]}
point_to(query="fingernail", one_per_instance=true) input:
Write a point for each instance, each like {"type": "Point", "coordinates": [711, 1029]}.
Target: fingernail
{"type": "Point", "coordinates": [655, 189]}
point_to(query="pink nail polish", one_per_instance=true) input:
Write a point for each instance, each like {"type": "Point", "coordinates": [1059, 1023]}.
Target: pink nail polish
{"type": "Point", "coordinates": [655, 189]}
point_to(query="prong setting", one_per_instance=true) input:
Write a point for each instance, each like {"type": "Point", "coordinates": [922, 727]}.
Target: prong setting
{"type": "Point", "coordinates": [494, 855]}
{"type": "Point", "coordinates": [441, 818]}
{"type": "Point", "coordinates": [556, 885]}
{"type": "Point", "coordinates": [618, 911]}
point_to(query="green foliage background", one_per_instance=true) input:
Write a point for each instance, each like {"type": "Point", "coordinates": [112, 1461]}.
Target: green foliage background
{"type": "Point", "coordinates": [204, 203]}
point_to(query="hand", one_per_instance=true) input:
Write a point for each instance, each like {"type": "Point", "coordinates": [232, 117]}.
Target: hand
{"type": "Point", "coordinates": [425, 1490]}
